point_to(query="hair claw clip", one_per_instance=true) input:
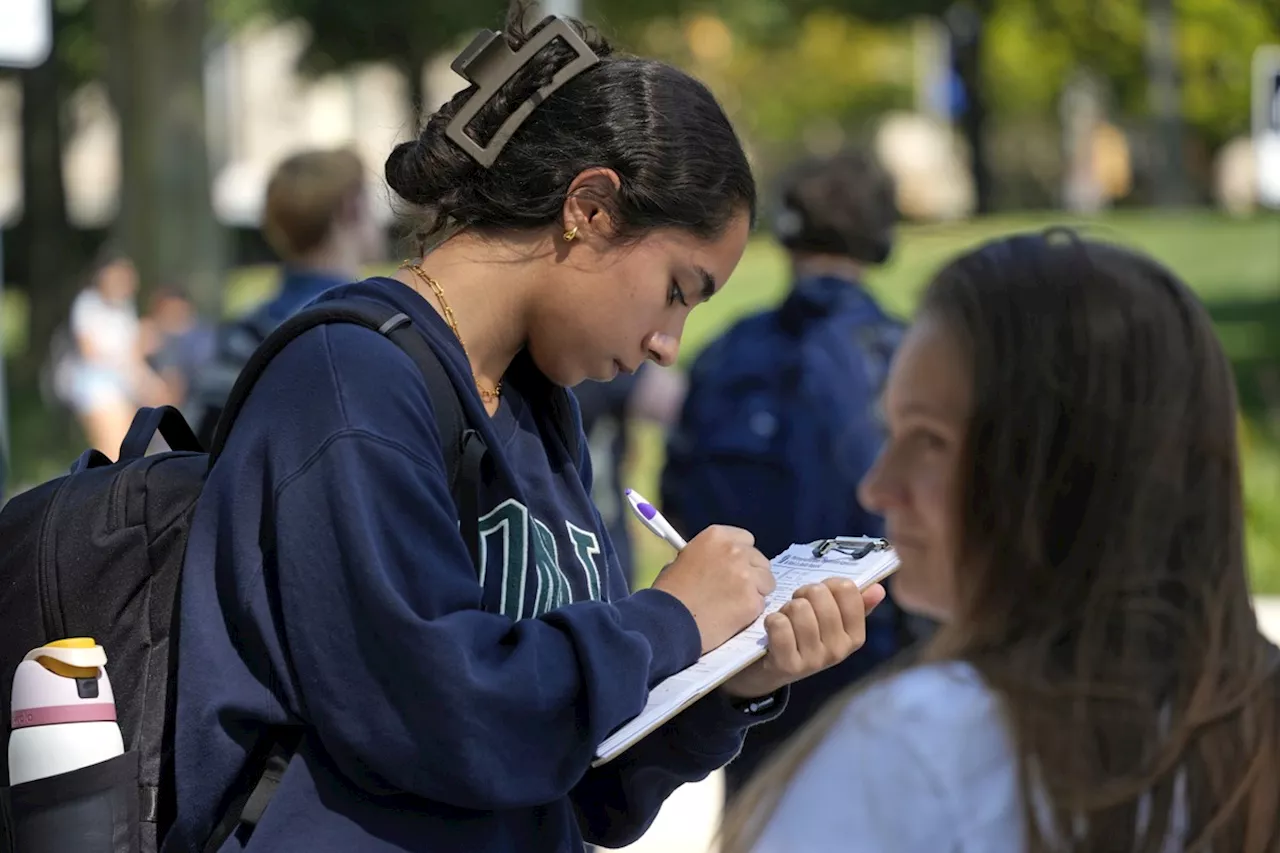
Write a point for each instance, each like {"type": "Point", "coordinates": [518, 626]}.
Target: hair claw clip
{"type": "Point", "coordinates": [489, 63]}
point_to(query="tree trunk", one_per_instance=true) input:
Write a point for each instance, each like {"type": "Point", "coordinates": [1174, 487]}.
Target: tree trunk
{"type": "Point", "coordinates": [1165, 99]}
{"type": "Point", "coordinates": [53, 261]}
{"type": "Point", "coordinates": [156, 57]}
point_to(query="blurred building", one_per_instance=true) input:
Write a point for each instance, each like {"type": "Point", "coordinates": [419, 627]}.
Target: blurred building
{"type": "Point", "coordinates": [259, 110]}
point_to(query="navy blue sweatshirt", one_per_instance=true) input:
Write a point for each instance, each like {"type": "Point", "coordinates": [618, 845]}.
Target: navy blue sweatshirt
{"type": "Point", "coordinates": [327, 587]}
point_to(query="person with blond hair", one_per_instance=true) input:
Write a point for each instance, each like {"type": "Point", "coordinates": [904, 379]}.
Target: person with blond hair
{"type": "Point", "coordinates": [318, 219]}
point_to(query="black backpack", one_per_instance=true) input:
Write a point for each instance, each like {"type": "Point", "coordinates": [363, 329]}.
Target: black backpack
{"type": "Point", "coordinates": [99, 553]}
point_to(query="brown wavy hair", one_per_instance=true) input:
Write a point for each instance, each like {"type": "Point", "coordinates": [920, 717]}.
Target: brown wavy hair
{"type": "Point", "coordinates": [1103, 594]}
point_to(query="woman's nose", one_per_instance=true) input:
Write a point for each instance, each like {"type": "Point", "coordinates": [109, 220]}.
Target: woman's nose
{"type": "Point", "coordinates": [664, 348]}
{"type": "Point", "coordinates": [872, 489]}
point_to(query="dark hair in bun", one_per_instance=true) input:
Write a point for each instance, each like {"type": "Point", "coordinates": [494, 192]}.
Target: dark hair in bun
{"type": "Point", "coordinates": [680, 162]}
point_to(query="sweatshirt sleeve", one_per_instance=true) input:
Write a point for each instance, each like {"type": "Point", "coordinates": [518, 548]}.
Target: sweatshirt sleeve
{"type": "Point", "coordinates": [617, 802]}
{"type": "Point", "coordinates": [398, 670]}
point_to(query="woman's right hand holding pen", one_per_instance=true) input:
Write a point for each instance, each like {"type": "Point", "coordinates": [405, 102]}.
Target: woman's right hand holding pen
{"type": "Point", "coordinates": [722, 579]}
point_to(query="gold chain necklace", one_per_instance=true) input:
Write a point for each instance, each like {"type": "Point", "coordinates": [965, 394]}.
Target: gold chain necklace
{"type": "Point", "coordinates": [416, 269]}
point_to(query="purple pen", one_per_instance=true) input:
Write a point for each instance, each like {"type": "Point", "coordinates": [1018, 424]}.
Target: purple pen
{"type": "Point", "coordinates": [653, 520]}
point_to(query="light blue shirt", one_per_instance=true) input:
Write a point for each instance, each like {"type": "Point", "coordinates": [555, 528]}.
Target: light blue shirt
{"type": "Point", "coordinates": [920, 763]}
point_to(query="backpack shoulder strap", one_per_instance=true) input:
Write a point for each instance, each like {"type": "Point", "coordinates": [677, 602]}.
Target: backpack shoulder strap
{"type": "Point", "coordinates": [246, 809]}
{"type": "Point", "coordinates": [464, 449]}
{"type": "Point", "coordinates": [396, 326]}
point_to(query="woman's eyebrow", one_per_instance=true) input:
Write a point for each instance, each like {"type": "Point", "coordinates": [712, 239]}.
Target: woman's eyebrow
{"type": "Point", "coordinates": [923, 408]}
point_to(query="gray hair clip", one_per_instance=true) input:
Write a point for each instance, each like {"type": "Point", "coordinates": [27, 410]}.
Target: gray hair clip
{"type": "Point", "coordinates": [488, 63]}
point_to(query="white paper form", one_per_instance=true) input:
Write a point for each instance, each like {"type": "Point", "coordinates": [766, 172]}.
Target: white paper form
{"type": "Point", "coordinates": [793, 568]}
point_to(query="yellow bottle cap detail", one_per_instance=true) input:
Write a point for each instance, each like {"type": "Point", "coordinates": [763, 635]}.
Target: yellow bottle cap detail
{"type": "Point", "coordinates": [73, 657]}
{"type": "Point", "coordinates": [66, 670]}
{"type": "Point", "coordinates": [73, 643]}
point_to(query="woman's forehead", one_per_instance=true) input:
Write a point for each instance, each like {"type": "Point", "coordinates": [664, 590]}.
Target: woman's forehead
{"type": "Point", "coordinates": [930, 374]}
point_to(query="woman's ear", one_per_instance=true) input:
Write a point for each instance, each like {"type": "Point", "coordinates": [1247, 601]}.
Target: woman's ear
{"type": "Point", "coordinates": [590, 202]}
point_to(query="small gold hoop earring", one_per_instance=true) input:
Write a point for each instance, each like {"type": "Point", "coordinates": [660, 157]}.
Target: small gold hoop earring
{"type": "Point", "coordinates": [571, 234]}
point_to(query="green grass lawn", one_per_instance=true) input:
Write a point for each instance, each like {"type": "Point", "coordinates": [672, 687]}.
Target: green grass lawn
{"type": "Point", "coordinates": [1234, 266]}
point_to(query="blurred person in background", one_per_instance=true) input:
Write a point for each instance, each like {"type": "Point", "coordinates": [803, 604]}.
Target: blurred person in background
{"type": "Point", "coordinates": [100, 370]}
{"type": "Point", "coordinates": [654, 394]}
{"type": "Point", "coordinates": [780, 422]}
{"type": "Point", "coordinates": [1062, 482]}
{"type": "Point", "coordinates": [319, 220]}
{"type": "Point", "coordinates": [177, 341]}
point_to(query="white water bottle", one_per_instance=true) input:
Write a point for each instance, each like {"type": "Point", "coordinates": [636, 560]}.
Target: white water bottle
{"type": "Point", "coordinates": [64, 714]}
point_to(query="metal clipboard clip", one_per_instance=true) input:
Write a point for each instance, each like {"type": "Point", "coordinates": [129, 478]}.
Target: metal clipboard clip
{"type": "Point", "coordinates": [856, 547]}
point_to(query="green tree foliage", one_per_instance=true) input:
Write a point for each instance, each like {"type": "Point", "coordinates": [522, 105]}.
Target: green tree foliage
{"type": "Point", "coordinates": [1035, 44]}
{"type": "Point", "coordinates": [797, 62]}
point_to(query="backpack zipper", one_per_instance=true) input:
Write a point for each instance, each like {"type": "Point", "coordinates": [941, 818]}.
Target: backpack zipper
{"type": "Point", "coordinates": [117, 508]}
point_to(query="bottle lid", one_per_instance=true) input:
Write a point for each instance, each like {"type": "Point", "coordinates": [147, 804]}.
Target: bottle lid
{"type": "Point", "coordinates": [75, 657]}
{"type": "Point", "coordinates": [62, 682]}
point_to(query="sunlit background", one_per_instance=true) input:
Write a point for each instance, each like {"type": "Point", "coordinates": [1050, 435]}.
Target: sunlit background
{"type": "Point", "coordinates": [153, 125]}
{"type": "Point", "coordinates": [156, 123]}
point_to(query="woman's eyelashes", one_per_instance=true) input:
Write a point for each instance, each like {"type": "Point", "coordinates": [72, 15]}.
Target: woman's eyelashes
{"type": "Point", "coordinates": [675, 294]}
{"type": "Point", "coordinates": [928, 439]}
{"type": "Point", "coordinates": [919, 437]}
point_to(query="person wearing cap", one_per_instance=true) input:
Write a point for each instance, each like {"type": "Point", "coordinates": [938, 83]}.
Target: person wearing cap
{"type": "Point", "coordinates": [780, 421]}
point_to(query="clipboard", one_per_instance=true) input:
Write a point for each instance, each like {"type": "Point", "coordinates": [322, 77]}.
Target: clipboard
{"type": "Point", "coordinates": [864, 560]}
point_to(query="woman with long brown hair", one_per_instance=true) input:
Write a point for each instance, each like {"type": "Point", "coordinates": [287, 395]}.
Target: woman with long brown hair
{"type": "Point", "coordinates": [1062, 483]}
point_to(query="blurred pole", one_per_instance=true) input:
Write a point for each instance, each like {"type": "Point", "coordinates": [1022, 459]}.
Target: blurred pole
{"type": "Point", "coordinates": [25, 42]}
{"type": "Point", "coordinates": [967, 29]}
{"type": "Point", "coordinates": [4, 391]}
{"type": "Point", "coordinates": [564, 8]}
{"type": "Point", "coordinates": [1266, 122]}
{"type": "Point", "coordinates": [1081, 115]}
{"type": "Point", "coordinates": [1165, 100]}
{"type": "Point", "coordinates": [934, 87]}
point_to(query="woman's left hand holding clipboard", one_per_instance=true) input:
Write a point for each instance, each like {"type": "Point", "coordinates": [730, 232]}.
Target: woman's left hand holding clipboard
{"type": "Point", "coordinates": [818, 628]}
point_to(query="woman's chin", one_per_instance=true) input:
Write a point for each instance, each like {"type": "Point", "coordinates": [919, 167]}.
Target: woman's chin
{"type": "Point", "coordinates": [909, 596]}
{"type": "Point", "coordinates": [559, 373]}
{"type": "Point", "coordinates": [605, 372]}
